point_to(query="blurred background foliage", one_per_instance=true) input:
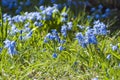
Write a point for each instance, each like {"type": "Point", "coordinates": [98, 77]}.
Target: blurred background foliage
{"type": "Point", "coordinates": [76, 6]}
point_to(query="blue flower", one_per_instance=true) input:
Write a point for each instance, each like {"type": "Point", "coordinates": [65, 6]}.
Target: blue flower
{"type": "Point", "coordinates": [79, 36]}
{"type": "Point", "coordinates": [62, 41]}
{"type": "Point", "coordinates": [107, 10]}
{"type": "Point", "coordinates": [64, 14]}
{"type": "Point", "coordinates": [15, 5]}
{"type": "Point", "coordinates": [81, 39]}
{"type": "Point", "coordinates": [104, 16]}
{"type": "Point", "coordinates": [4, 3]}
{"type": "Point", "coordinates": [12, 49]}
{"type": "Point", "coordinates": [99, 28]}
{"type": "Point", "coordinates": [41, 2]}
{"type": "Point", "coordinates": [97, 16]}
{"type": "Point", "coordinates": [100, 6]}
{"type": "Point", "coordinates": [91, 39]}
{"type": "Point", "coordinates": [28, 35]}
{"type": "Point", "coordinates": [69, 2]}
{"type": "Point", "coordinates": [114, 47]}
{"type": "Point", "coordinates": [52, 36]}
{"type": "Point", "coordinates": [69, 25]}
{"type": "Point", "coordinates": [64, 30]}
{"type": "Point", "coordinates": [0, 50]}
{"type": "Point", "coordinates": [42, 8]}
{"type": "Point", "coordinates": [93, 9]}
{"type": "Point", "coordinates": [10, 6]}
{"type": "Point", "coordinates": [54, 55]}
{"type": "Point", "coordinates": [53, 1]}
{"type": "Point", "coordinates": [28, 3]}
{"type": "Point", "coordinates": [64, 17]}
{"type": "Point", "coordinates": [60, 48]}
{"type": "Point", "coordinates": [38, 24]}
{"type": "Point", "coordinates": [18, 11]}
{"type": "Point", "coordinates": [27, 25]}
{"type": "Point", "coordinates": [108, 56]}
{"type": "Point", "coordinates": [14, 30]}
{"type": "Point", "coordinates": [95, 78]}
{"type": "Point", "coordinates": [80, 26]}
{"type": "Point", "coordinates": [11, 46]}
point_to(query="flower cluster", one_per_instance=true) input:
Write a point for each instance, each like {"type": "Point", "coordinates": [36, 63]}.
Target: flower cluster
{"type": "Point", "coordinates": [99, 28]}
{"type": "Point", "coordinates": [11, 46]}
{"type": "Point", "coordinates": [52, 36]}
{"type": "Point", "coordinates": [65, 28]}
{"type": "Point", "coordinates": [19, 5]}
{"type": "Point", "coordinates": [98, 12]}
{"type": "Point", "coordinates": [10, 4]}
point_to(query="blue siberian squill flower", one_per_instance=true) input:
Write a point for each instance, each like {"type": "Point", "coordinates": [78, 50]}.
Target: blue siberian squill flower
{"type": "Point", "coordinates": [27, 25]}
{"type": "Point", "coordinates": [21, 3]}
{"type": "Point", "coordinates": [53, 1]}
{"type": "Point", "coordinates": [104, 16]}
{"type": "Point", "coordinates": [90, 37]}
{"type": "Point", "coordinates": [54, 55]}
{"type": "Point", "coordinates": [107, 12]}
{"type": "Point", "coordinates": [55, 10]}
{"type": "Point", "coordinates": [100, 6]}
{"type": "Point", "coordinates": [55, 35]}
{"type": "Point", "coordinates": [47, 37]}
{"type": "Point", "coordinates": [39, 18]}
{"type": "Point", "coordinates": [114, 47]}
{"type": "Point", "coordinates": [99, 28]}
{"type": "Point", "coordinates": [64, 30]}
{"type": "Point", "coordinates": [41, 2]}
{"type": "Point", "coordinates": [81, 39]}
{"type": "Point", "coordinates": [70, 24]}
{"type": "Point", "coordinates": [52, 36]}
{"type": "Point", "coordinates": [61, 48]}
{"type": "Point", "coordinates": [42, 8]}
{"type": "Point", "coordinates": [0, 50]}
{"type": "Point", "coordinates": [28, 35]}
{"type": "Point", "coordinates": [64, 14]}
{"type": "Point", "coordinates": [79, 36]}
{"type": "Point", "coordinates": [69, 2]}
{"type": "Point", "coordinates": [95, 78]}
{"type": "Point", "coordinates": [18, 10]}
{"type": "Point", "coordinates": [11, 46]}
{"type": "Point", "coordinates": [10, 5]}
{"type": "Point", "coordinates": [62, 41]}
{"type": "Point", "coordinates": [93, 9]}
{"type": "Point", "coordinates": [4, 3]}
{"type": "Point", "coordinates": [28, 3]}
{"type": "Point", "coordinates": [80, 26]}
{"type": "Point", "coordinates": [97, 16]}
{"type": "Point", "coordinates": [22, 18]}
{"type": "Point", "coordinates": [14, 30]}
{"type": "Point", "coordinates": [38, 24]}
{"type": "Point", "coordinates": [12, 49]}
{"type": "Point", "coordinates": [15, 4]}
{"type": "Point", "coordinates": [64, 17]}
{"type": "Point", "coordinates": [108, 56]}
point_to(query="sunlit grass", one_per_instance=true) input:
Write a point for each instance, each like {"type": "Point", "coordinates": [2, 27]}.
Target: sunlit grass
{"type": "Point", "coordinates": [34, 57]}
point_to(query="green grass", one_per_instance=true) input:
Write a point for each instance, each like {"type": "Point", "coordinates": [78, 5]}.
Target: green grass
{"type": "Point", "coordinates": [34, 59]}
